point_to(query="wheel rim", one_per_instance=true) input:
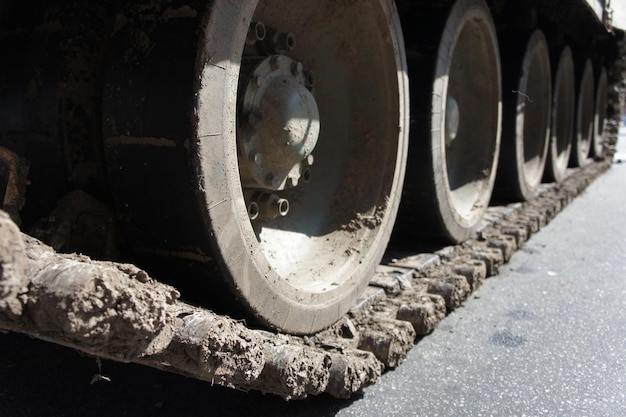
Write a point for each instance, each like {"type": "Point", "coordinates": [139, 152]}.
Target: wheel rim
{"type": "Point", "coordinates": [600, 115]}
{"type": "Point", "coordinates": [562, 123]}
{"type": "Point", "coordinates": [584, 117]}
{"type": "Point", "coordinates": [300, 270]}
{"type": "Point", "coordinates": [533, 117]}
{"type": "Point", "coordinates": [466, 90]}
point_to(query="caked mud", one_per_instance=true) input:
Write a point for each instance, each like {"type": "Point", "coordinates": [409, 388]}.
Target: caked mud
{"type": "Point", "coordinates": [117, 311]}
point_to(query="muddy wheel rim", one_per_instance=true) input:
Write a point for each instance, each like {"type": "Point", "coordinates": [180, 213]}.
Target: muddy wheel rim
{"type": "Point", "coordinates": [301, 271]}
{"type": "Point", "coordinates": [600, 115]}
{"type": "Point", "coordinates": [562, 120]}
{"type": "Point", "coordinates": [584, 117]}
{"type": "Point", "coordinates": [466, 117]}
{"type": "Point", "coordinates": [533, 121]}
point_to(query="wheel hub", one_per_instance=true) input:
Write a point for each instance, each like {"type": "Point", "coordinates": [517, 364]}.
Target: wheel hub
{"type": "Point", "coordinates": [281, 125]}
{"type": "Point", "coordinates": [452, 119]}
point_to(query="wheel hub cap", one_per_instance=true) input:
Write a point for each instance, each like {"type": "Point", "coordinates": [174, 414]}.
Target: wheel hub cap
{"type": "Point", "coordinates": [452, 119]}
{"type": "Point", "coordinates": [281, 125]}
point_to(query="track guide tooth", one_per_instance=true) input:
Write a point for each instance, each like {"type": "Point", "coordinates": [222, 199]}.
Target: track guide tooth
{"type": "Point", "coordinates": [388, 339]}
{"type": "Point", "coordinates": [420, 262]}
{"type": "Point", "coordinates": [392, 279]}
{"type": "Point", "coordinates": [531, 222]}
{"type": "Point", "coordinates": [424, 314]}
{"type": "Point", "coordinates": [506, 244]}
{"type": "Point", "coordinates": [454, 289]}
{"type": "Point", "coordinates": [294, 370]}
{"type": "Point", "coordinates": [492, 257]}
{"type": "Point", "coordinates": [519, 232]}
{"type": "Point", "coordinates": [474, 270]}
{"type": "Point", "coordinates": [351, 371]}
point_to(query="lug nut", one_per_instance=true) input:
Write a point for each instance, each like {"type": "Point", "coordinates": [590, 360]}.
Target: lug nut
{"type": "Point", "coordinates": [272, 206]}
{"type": "Point", "coordinates": [275, 41]}
{"type": "Point", "coordinates": [264, 205]}
{"type": "Point", "coordinates": [256, 32]}
{"type": "Point", "coordinates": [254, 157]}
{"type": "Point", "coordinates": [285, 41]}
{"type": "Point", "coordinates": [253, 210]}
{"type": "Point", "coordinates": [292, 182]}
{"type": "Point", "coordinates": [275, 61]}
{"type": "Point", "coordinates": [310, 79]}
{"type": "Point", "coordinates": [296, 68]}
{"type": "Point", "coordinates": [452, 119]}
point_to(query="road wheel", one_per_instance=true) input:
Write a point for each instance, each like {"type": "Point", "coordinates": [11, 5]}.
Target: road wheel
{"type": "Point", "coordinates": [597, 148]}
{"type": "Point", "coordinates": [585, 109]}
{"type": "Point", "coordinates": [526, 120]}
{"type": "Point", "coordinates": [562, 119]}
{"type": "Point", "coordinates": [456, 135]}
{"type": "Point", "coordinates": [270, 148]}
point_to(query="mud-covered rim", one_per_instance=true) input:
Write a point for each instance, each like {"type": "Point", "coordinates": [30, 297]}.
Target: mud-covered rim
{"type": "Point", "coordinates": [562, 119]}
{"type": "Point", "coordinates": [533, 138]}
{"type": "Point", "coordinates": [255, 280]}
{"type": "Point", "coordinates": [585, 110]}
{"type": "Point", "coordinates": [600, 114]}
{"type": "Point", "coordinates": [466, 208]}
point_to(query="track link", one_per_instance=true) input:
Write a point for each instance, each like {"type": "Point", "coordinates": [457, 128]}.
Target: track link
{"type": "Point", "coordinates": [117, 311]}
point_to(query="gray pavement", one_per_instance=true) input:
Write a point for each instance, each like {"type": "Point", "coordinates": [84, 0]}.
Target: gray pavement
{"type": "Point", "coordinates": [546, 337]}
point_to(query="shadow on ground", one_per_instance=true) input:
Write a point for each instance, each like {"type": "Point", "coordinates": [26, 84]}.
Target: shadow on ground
{"type": "Point", "coordinates": [43, 379]}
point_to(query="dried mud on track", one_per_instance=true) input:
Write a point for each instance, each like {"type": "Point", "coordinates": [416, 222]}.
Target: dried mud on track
{"type": "Point", "coordinates": [117, 311]}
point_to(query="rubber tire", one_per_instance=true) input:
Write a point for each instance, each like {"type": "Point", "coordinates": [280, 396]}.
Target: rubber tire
{"type": "Point", "coordinates": [585, 109]}
{"type": "Point", "coordinates": [562, 119]}
{"type": "Point", "coordinates": [429, 206]}
{"type": "Point", "coordinates": [526, 122]}
{"type": "Point", "coordinates": [174, 145]}
{"type": "Point", "coordinates": [599, 120]}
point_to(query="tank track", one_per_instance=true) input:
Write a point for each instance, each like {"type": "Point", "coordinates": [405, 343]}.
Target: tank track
{"type": "Point", "coordinates": [117, 311]}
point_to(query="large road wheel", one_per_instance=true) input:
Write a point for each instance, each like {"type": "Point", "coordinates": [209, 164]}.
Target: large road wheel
{"type": "Point", "coordinates": [526, 133]}
{"type": "Point", "coordinates": [585, 109]}
{"type": "Point", "coordinates": [271, 146]}
{"type": "Point", "coordinates": [456, 136]}
{"type": "Point", "coordinates": [599, 126]}
{"type": "Point", "coordinates": [562, 119]}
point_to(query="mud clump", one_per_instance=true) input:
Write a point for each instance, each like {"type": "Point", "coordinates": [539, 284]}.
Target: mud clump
{"type": "Point", "coordinates": [98, 306]}
{"type": "Point", "coordinates": [118, 311]}
{"type": "Point", "coordinates": [12, 268]}
{"type": "Point", "coordinates": [222, 350]}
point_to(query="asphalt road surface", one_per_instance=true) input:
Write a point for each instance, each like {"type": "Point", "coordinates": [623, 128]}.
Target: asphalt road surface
{"type": "Point", "coordinates": [546, 337]}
